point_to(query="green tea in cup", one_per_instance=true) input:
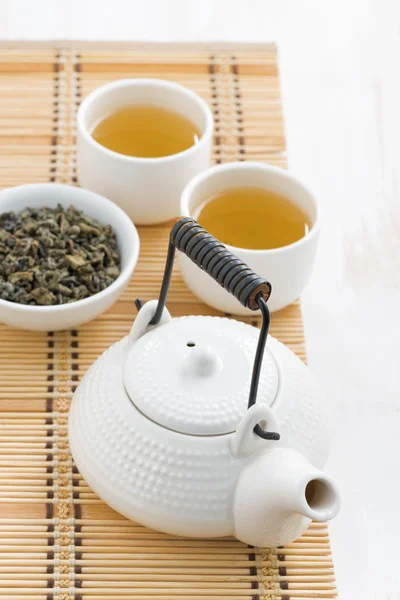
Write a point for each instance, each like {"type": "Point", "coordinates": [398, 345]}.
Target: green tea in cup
{"type": "Point", "coordinates": [146, 131]}
{"type": "Point", "coordinates": [252, 217]}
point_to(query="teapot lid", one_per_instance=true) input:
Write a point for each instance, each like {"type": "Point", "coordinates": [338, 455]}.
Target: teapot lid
{"type": "Point", "coordinates": [192, 375]}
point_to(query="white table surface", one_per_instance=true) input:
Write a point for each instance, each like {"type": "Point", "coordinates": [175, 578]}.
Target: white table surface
{"type": "Point", "coordinates": [340, 77]}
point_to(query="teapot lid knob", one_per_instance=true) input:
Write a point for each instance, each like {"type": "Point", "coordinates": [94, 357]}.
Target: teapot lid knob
{"type": "Point", "coordinates": [201, 362]}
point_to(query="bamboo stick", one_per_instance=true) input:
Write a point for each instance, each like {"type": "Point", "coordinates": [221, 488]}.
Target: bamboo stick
{"type": "Point", "coordinates": [146, 550]}
{"type": "Point", "coordinates": [23, 417]}
{"type": "Point", "coordinates": [154, 553]}
{"type": "Point", "coordinates": [155, 585]}
{"type": "Point", "coordinates": [139, 594]}
{"type": "Point", "coordinates": [32, 530]}
{"type": "Point", "coordinates": [38, 488]}
{"type": "Point", "coordinates": [25, 463]}
{"type": "Point", "coordinates": [126, 539]}
{"type": "Point", "coordinates": [32, 427]}
{"type": "Point", "coordinates": [143, 579]}
{"type": "Point", "coordinates": [20, 478]}
{"type": "Point", "coordinates": [306, 574]}
{"type": "Point", "coordinates": [146, 543]}
{"type": "Point", "coordinates": [152, 560]}
{"type": "Point", "coordinates": [36, 573]}
{"type": "Point", "coordinates": [100, 593]}
{"type": "Point", "coordinates": [136, 551]}
{"type": "Point", "coordinates": [44, 596]}
{"type": "Point", "coordinates": [21, 471]}
{"type": "Point", "coordinates": [34, 439]}
{"type": "Point", "coordinates": [233, 587]}
{"type": "Point", "coordinates": [39, 573]}
{"type": "Point", "coordinates": [161, 568]}
{"type": "Point", "coordinates": [314, 526]}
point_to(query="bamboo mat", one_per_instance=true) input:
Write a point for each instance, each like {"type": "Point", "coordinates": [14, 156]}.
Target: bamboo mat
{"type": "Point", "coordinates": [57, 539]}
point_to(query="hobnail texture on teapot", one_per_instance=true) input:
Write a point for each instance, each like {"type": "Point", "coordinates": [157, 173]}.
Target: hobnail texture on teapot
{"type": "Point", "coordinates": [196, 427]}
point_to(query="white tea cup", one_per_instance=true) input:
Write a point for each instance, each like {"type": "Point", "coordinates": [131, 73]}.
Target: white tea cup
{"type": "Point", "coordinates": [288, 268]}
{"type": "Point", "coordinates": [147, 189]}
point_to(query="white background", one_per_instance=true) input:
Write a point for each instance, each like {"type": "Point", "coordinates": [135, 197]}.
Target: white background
{"type": "Point", "coordinates": [340, 73]}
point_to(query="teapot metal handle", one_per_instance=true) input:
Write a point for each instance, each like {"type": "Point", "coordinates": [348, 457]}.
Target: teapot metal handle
{"type": "Point", "coordinates": [232, 274]}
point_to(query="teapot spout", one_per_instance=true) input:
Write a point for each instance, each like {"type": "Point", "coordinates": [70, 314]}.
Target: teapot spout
{"type": "Point", "coordinates": [320, 501]}
{"type": "Point", "coordinates": [277, 494]}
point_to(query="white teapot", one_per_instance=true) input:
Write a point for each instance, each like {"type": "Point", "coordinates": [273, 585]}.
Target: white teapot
{"type": "Point", "coordinates": [192, 427]}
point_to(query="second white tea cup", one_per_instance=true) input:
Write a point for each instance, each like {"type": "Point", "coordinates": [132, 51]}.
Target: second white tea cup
{"type": "Point", "coordinates": [288, 268]}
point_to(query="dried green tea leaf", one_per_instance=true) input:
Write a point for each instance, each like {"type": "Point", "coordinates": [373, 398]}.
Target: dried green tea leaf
{"type": "Point", "coordinates": [42, 296]}
{"type": "Point", "coordinates": [75, 260]}
{"type": "Point", "coordinates": [21, 277]}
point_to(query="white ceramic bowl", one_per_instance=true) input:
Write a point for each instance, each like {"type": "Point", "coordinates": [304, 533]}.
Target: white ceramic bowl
{"type": "Point", "coordinates": [66, 316]}
{"type": "Point", "coordinates": [148, 189]}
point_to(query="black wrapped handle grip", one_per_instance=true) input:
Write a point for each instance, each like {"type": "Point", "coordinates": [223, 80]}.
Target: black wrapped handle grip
{"type": "Point", "coordinates": [221, 264]}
